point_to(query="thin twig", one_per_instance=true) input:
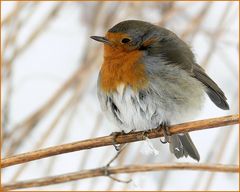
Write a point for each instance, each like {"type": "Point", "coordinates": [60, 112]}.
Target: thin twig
{"type": "Point", "coordinates": [42, 26]}
{"type": "Point", "coordinates": [120, 162]}
{"type": "Point", "coordinates": [116, 156]}
{"type": "Point", "coordinates": [209, 158]}
{"type": "Point", "coordinates": [84, 160]}
{"type": "Point", "coordinates": [65, 131]}
{"type": "Point", "coordinates": [72, 100]}
{"type": "Point", "coordinates": [17, 8]}
{"type": "Point", "coordinates": [14, 25]}
{"type": "Point", "coordinates": [119, 180]}
{"type": "Point", "coordinates": [106, 168]}
{"type": "Point", "coordinates": [32, 121]}
{"type": "Point", "coordinates": [196, 22]}
{"type": "Point", "coordinates": [121, 139]}
{"type": "Point", "coordinates": [216, 35]}
{"type": "Point", "coordinates": [123, 169]}
{"type": "Point", "coordinates": [234, 157]}
{"type": "Point", "coordinates": [137, 159]}
{"type": "Point", "coordinates": [169, 14]}
{"type": "Point", "coordinates": [81, 75]}
{"type": "Point", "coordinates": [220, 154]}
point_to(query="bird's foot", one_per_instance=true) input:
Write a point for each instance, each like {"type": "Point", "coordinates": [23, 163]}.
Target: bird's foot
{"type": "Point", "coordinates": [114, 142]}
{"type": "Point", "coordinates": [166, 133]}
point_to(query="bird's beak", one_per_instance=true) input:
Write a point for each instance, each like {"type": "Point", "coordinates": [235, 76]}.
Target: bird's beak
{"type": "Point", "coordinates": [101, 39]}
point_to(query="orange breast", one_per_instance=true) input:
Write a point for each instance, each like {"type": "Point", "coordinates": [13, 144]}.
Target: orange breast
{"type": "Point", "coordinates": [122, 67]}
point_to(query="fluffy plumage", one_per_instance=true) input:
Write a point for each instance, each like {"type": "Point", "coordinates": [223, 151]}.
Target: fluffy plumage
{"type": "Point", "coordinates": [173, 88]}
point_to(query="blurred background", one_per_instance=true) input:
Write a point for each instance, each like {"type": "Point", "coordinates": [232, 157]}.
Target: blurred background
{"type": "Point", "coordinates": [49, 74]}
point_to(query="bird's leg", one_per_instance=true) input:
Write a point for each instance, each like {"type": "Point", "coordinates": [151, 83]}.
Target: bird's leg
{"type": "Point", "coordinates": [115, 135]}
{"type": "Point", "coordinates": [144, 135]}
{"type": "Point", "coordinates": [165, 128]}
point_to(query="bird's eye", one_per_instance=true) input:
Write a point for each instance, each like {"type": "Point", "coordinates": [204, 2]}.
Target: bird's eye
{"type": "Point", "coordinates": [125, 40]}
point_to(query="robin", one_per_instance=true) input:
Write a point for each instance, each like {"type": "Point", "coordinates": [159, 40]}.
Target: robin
{"type": "Point", "coordinates": [149, 79]}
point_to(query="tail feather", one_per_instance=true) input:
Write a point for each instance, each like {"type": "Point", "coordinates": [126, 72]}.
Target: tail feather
{"type": "Point", "coordinates": [182, 145]}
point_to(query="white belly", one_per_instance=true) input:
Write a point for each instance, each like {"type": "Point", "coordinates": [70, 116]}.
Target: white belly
{"type": "Point", "coordinates": [144, 112]}
{"type": "Point", "coordinates": [163, 101]}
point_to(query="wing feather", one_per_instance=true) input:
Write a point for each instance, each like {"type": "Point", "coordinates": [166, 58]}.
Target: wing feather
{"type": "Point", "coordinates": [212, 89]}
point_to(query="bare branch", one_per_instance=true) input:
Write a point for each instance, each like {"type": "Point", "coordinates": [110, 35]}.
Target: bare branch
{"type": "Point", "coordinates": [216, 35]}
{"type": "Point", "coordinates": [122, 169]}
{"type": "Point", "coordinates": [121, 139]}
{"type": "Point", "coordinates": [109, 164]}
{"type": "Point", "coordinates": [29, 122]}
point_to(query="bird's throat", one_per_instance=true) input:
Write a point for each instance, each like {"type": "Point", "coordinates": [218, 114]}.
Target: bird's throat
{"type": "Point", "coordinates": [122, 67]}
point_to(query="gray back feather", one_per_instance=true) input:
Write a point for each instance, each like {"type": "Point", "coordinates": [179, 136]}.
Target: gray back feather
{"type": "Point", "coordinates": [177, 52]}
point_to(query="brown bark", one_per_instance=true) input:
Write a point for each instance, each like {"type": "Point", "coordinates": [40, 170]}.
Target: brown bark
{"type": "Point", "coordinates": [116, 170]}
{"type": "Point", "coordinates": [121, 139]}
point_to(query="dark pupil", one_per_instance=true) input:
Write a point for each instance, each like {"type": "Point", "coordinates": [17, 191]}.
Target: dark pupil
{"type": "Point", "coordinates": [125, 40]}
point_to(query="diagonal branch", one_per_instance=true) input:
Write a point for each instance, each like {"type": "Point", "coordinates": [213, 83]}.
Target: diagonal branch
{"type": "Point", "coordinates": [122, 169]}
{"type": "Point", "coordinates": [121, 139]}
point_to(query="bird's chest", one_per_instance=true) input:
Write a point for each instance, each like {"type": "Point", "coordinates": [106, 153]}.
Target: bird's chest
{"type": "Point", "coordinates": [122, 68]}
{"type": "Point", "coordinates": [129, 109]}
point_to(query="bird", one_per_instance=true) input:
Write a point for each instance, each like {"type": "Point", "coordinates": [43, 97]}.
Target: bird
{"type": "Point", "coordinates": [149, 78]}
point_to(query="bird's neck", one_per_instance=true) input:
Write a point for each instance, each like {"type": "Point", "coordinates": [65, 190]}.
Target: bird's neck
{"type": "Point", "coordinates": [122, 67]}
